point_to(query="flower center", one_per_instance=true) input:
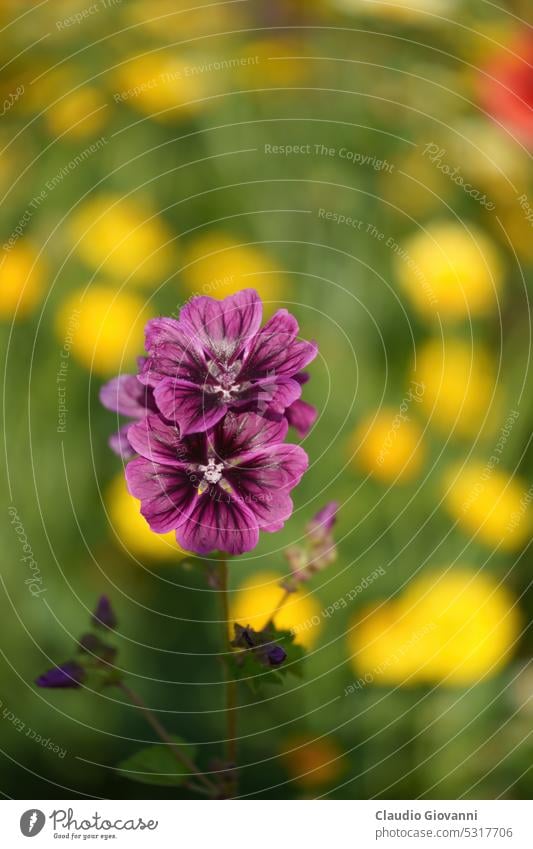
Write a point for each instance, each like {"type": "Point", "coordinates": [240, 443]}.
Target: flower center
{"type": "Point", "coordinates": [225, 378]}
{"type": "Point", "coordinates": [212, 472]}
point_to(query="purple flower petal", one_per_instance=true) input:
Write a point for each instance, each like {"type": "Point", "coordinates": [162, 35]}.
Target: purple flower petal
{"type": "Point", "coordinates": [120, 444]}
{"type": "Point", "coordinates": [187, 403]}
{"type": "Point", "coordinates": [173, 352]}
{"type": "Point", "coordinates": [167, 494]}
{"type": "Point", "coordinates": [127, 396]}
{"type": "Point", "coordinates": [225, 327]}
{"type": "Point", "coordinates": [218, 523]}
{"type": "Point", "coordinates": [301, 416]}
{"type": "Point", "coordinates": [272, 467]}
{"type": "Point", "coordinates": [69, 674]}
{"type": "Point", "coordinates": [159, 441]}
{"type": "Point", "coordinates": [275, 350]}
{"type": "Point", "coordinates": [240, 434]}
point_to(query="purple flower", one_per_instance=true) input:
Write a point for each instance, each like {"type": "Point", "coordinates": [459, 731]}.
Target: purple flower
{"type": "Point", "coordinates": [127, 396]}
{"type": "Point", "coordinates": [216, 358]}
{"type": "Point", "coordinates": [104, 615]}
{"type": "Point", "coordinates": [320, 527]}
{"type": "Point", "coordinates": [69, 674]}
{"type": "Point", "coordinates": [216, 489]}
{"type": "Point", "coordinates": [301, 415]}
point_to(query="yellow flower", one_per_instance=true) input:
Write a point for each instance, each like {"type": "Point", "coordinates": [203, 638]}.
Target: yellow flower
{"type": "Point", "coordinates": [458, 385]}
{"type": "Point", "coordinates": [452, 627]}
{"type": "Point", "coordinates": [450, 272]}
{"type": "Point", "coordinates": [388, 444]}
{"type": "Point", "coordinates": [313, 763]}
{"type": "Point", "coordinates": [257, 598]}
{"type": "Point", "coordinates": [476, 622]}
{"type": "Point", "coordinates": [80, 114]}
{"type": "Point", "coordinates": [490, 504]}
{"type": "Point", "coordinates": [103, 330]}
{"type": "Point", "coordinates": [426, 12]}
{"type": "Point", "coordinates": [219, 266]}
{"type": "Point", "coordinates": [121, 237]}
{"type": "Point", "coordinates": [21, 281]}
{"type": "Point", "coordinates": [160, 86]}
{"type": "Point", "coordinates": [133, 530]}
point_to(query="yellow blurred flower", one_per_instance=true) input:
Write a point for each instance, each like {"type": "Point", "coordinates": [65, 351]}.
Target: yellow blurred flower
{"type": "Point", "coordinates": [385, 650]}
{"type": "Point", "coordinates": [51, 85]}
{"type": "Point", "coordinates": [218, 266]}
{"type": "Point", "coordinates": [459, 385]}
{"type": "Point", "coordinates": [160, 86]}
{"type": "Point", "coordinates": [272, 63]}
{"type": "Point", "coordinates": [79, 114]}
{"type": "Point", "coordinates": [452, 627]}
{"type": "Point", "coordinates": [489, 503]}
{"type": "Point", "coordinates": [427, 12]}
{"type": "Point", "coordinates": [103, 330]}
{"type": "Point", "coordinates": [489, 156]}
{"type": "Point", "coordinates": [313, 763]}
{"type": "Point", "coordinates": [450, 272]}
{"type": "Point", "coordinates": [257, 598]}
{"type": "Point", "coordinates": [388, 444]}
{"type": "Point", "coordinates": [121, 237]}
{"type": "Point", "coordinates": [177, 19]}
{"type": "Point", "coordinates": [21, 280]}
{"type": "Point", "coordinates": [132, 528]}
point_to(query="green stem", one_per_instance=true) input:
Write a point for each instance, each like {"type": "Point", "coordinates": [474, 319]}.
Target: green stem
{"type": "Point", "coordinates": [163, 735]}
{"type": "Point", "coordinates": [285, 597]}
{"type": "Point", "coordinates": [230, 682]}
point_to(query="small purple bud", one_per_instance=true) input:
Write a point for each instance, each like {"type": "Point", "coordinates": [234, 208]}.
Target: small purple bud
{"type": "Point", "coordinates": [321, 525]}
{"type": "Point", "coordinates": [104, 615]}
{"type": "Point", "coordinates": [69, 674]}
{"type": "Point", "coordinates": [276, 655]}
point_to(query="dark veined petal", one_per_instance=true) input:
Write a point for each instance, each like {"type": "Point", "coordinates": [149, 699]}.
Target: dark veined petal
{"type": "Point", "coordinates": [167, 493]}
{"type": "Point", "coordinates": [271, 468]}
{"type": "Point", "coordinates": [158, 441]}
{"type": "Point", "coordinates": [218, 522]}
{"type": "Point", "coordinates": [301, 416]}
{"type": "Point", "coordinates": [125, 395]}
{"type": "Point", "coordinates": [240, 433]}
{"type": "Point", "coordinates": [187, 403]}
{"type": "Point", "coordinates": [269, 395]}
{"type": "Point", "coordinates": [271, 507]}
{"type": "Point", "coordinates": [173, 351]}
{"type": "Point", "coordinates": [225, 327]}
{"type": "Point", "coordinates": [276, 351]}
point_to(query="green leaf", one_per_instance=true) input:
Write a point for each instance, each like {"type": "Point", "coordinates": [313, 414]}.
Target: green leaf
{"type": "Point", "coordinates": [157, 765]}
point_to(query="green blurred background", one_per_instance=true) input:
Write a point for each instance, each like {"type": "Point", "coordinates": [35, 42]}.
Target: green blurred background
{"type": "Point", "coordinates": [311, 150]}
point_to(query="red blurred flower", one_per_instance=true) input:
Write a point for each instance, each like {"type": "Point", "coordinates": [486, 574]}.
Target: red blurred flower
{"type": "Point", "coordinates": [507, 90]}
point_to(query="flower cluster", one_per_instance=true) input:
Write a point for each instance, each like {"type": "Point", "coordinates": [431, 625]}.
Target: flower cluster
{"type": "Point", "coordinates": [209, 411]}
{"type": "Point", "coordinates": [94, 659]}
